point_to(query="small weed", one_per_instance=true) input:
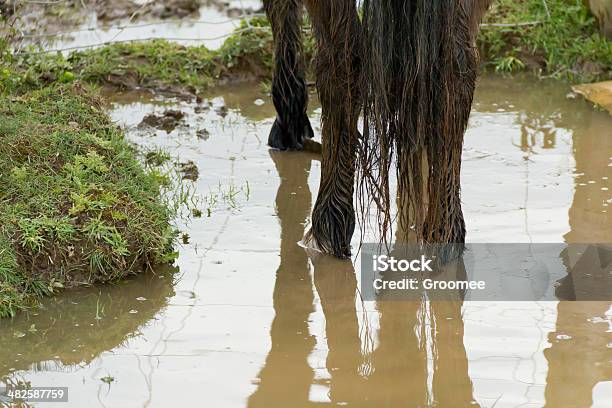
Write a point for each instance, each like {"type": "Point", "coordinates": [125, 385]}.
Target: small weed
{"type": "Point", "coordinates": [266, 87]}
{"type": "Point", "coordinates": [157, 157]}
{"type": "Point", "coordinates": [99, 310]}
{"type": "Point", "coordinates": [226, 195]}
{"type": "Point", "coordinates": [508, 64]}
{"type": "Point", "coordinates": [247, 191]}
{"type": "Point", "coordinates": [108, 379]}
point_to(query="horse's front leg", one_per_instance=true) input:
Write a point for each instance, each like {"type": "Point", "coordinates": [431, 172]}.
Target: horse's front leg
{"type": "Point", "coordinates": [289, 92]}
{"type": "Point", "coordinates": [337, 30]}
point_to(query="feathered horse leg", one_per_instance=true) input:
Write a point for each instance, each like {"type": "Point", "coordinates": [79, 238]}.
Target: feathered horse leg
{"type": "Point", "coordinates": [421, 76]}
{"type": "Point", "coordinates": [337, 30]}
{"type": "Point", "coordinates": [289, 92]}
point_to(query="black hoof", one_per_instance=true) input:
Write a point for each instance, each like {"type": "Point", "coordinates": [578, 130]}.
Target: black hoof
{"type": "Point", "coordinates": [290, 137]}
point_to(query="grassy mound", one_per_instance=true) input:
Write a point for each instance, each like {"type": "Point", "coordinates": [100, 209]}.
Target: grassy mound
{"type": "Point", "coordinates": [559, 38]}
{"type": "Point", "coordinates": [76, 205]}
{"type": "Point", "coordinates": [165, 65]}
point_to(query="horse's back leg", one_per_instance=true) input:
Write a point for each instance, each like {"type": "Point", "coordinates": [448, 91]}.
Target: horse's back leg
{"type": "Point", "coordinates": [337, 30]}
{"type": "Point", "coordinates": [289, 92]}
{"type": "Point", "coordinates": [421, 78]}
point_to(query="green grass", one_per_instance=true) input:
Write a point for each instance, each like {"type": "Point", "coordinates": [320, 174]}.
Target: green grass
{"type": "Point", "coordinates": [156, 64]}
{"type": "Point", "coordinates": [565, 45]}
{"type": "Point", "coordinates": [76, 205]}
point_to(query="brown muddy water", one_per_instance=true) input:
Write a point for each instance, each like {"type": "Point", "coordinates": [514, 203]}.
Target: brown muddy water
{"type": "Point", "coordinates": [248, 320]}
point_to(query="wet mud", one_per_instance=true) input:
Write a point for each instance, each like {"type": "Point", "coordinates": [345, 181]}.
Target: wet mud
{"type": "Point", "coordinates": [167, 121]}
{"type": "Point", "coordinates": [75, 23]}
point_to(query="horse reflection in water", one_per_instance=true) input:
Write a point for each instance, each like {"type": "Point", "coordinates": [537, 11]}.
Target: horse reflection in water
{"type": "Point", "coordinates": [396, 371]}
{"type": "Point", "coordinates": [286, 376]}
{"type": "Point", "coordinates": [579, 353]}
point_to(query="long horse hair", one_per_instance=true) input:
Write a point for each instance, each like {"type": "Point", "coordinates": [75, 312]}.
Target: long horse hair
{"type": "Point", "coordinates": [419, 78]}
{"type": "Point", "coordinates": [410, 67]}
{"type": "Point", "coordinates": [337, 29]}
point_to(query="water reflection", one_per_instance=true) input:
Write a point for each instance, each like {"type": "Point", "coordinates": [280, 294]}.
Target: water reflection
{"type": "Point", "coordinates": [579, 356]}
{"type": "Point", "coordinates": [336, 286]}
{"type": "Point", "coordinates": [419, 358]}
{"type": "Point", "coordinates": [542, 116]}
{"type": "Point", "coordinates": [77, 326]}
{"type": "Point", "coordinates": [286, 376]}
{"type": "Point", "coordinates": [410, 334]}
{"type": "Point", "coordinates": [452, 385]}
{"type": "Point", "coordinates": [590, 218]}
{"type": "Point", "coordinates": [418, 342]}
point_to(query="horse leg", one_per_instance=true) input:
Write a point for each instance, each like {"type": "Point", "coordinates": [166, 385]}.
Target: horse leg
{"type": "Point", "coordinates": [450, 227]}
{"type": "Point", "coordinates": [418, 93]}
{"type": "Point", "coordinates": [337, 31]}
{"type": "Point", "coordinates": [289, 92]}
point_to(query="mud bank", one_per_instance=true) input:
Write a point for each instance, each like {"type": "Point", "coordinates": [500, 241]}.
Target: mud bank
{"type": "Point", "coordinates": [561, 41]}
{"type": "Point", "coordinates": [158, 65]}
{"type": "Point", "coordinates": [46, 17]}
{"type": "Point", "coordinates": [558, 38]}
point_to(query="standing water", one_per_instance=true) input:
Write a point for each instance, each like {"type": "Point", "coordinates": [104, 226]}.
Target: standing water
{"type": "Point", "coordinates": [247, 319]}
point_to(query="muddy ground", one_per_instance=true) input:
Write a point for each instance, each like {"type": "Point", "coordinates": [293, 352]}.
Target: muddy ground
{"type": "Point", "coordinates": [40, 18]}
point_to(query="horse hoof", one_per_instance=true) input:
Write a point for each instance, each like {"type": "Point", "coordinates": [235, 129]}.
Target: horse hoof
{"type": "Point", "coordinates": [282, 139]}
{"type": "Point", "coordinates": [311, 247]}
{"type": "Point", "coordinates": [309, 242]}
{"type": "Point", "coordinates": [314, 250]}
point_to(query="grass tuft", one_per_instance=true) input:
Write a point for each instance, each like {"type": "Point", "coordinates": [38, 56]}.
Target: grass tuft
{"type": "Point", "coordinates": [76, 205]}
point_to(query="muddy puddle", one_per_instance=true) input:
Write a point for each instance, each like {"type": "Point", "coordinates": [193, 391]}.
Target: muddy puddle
{"type": "Point", "coordinates": [90, 24]}
{"type": "Point", "coordinates": [248, 320]}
